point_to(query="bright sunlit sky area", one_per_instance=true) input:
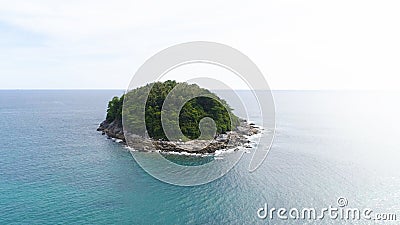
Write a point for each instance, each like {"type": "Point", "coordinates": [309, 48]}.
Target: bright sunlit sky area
{"type": "Point", "coordinates": [300, 45]}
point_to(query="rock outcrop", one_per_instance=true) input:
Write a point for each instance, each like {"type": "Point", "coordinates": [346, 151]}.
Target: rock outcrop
{"type": "Point", "coordinates": [112, 129]}
{"type": "Point", "coordinates": [230, 130]}
{"type": "Point", "coordinates": [230, 140]}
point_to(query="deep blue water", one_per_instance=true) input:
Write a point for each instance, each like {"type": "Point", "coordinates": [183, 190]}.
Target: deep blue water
{"type": "Point", "coordinates": [56, 169]}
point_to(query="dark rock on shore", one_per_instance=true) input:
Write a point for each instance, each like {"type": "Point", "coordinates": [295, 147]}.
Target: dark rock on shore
{"type": "Point", "coordinates": [113, 129]}
{"type": "Point", "coordinates": [230, 140]}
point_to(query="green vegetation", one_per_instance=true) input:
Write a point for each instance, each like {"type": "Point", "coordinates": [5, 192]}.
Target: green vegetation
{"type": "Point", "coordinates": [114, 110]}
{"type": "Point", "coordinates": [202, 104]}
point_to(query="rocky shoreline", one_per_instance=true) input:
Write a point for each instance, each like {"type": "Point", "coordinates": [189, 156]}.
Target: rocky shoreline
{"type": "Point", "coordinates": [112, 129]}
{"type": "Point", "coordinates": [230, 140]}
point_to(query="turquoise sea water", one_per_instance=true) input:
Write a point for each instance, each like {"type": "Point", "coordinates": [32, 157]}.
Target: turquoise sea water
{"type": "Point", "coordinates": [56, 169]}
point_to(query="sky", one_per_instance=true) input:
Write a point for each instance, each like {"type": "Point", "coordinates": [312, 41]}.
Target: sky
{"type": "Point", "coordinates": [299, 45]}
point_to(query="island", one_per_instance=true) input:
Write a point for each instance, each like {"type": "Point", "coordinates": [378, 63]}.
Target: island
{"type": "Point", "coordinates": [227, 131]}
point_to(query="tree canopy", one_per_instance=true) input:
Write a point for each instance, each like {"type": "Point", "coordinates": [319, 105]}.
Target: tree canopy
{"type": "Point", "coordinates": [197, 103]}
{"type": "Point", "coordinates": [114, 110]}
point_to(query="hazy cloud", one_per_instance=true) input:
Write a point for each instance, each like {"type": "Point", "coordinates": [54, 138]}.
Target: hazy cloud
{"type": "Point", "coordinates": [297, 44]}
